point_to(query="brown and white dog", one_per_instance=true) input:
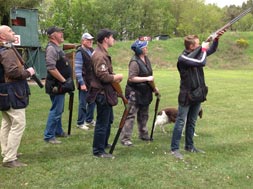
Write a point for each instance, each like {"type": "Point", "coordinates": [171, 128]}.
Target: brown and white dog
{"type": "Point", "coordinates": [169, 115]}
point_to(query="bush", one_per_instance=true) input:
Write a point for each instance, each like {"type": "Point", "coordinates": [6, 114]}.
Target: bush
{"type": "Point", "coordinates": [242, 43]}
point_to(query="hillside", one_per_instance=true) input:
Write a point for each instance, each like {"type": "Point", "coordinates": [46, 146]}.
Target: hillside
{"type": "Point", "coordinates": [163, 54]}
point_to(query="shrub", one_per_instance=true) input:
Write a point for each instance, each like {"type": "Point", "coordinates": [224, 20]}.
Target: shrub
{"type": "Point", "coordinates": [242, 43]}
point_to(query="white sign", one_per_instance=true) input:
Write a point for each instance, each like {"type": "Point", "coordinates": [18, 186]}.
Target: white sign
{"type": "Point", "coordinates": [17, 40]}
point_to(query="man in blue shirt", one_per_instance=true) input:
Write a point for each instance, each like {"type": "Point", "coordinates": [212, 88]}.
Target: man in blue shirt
{"type": "Point", "coordinates": [82, 67]}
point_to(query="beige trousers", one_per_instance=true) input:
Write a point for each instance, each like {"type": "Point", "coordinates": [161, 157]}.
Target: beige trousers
{"type": "Point", "coordinates": [12, 129]}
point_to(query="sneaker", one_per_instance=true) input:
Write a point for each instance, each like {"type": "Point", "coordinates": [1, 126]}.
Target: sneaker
{"type": "Point", "coordinates": [15, 163]}
{"type": "Point", "coordinates": [53, 141]}
{"type": "Point", "coordinates": [105, 155]}
{"type": "Point", "coordinates": [90, 124]}
{"type": "Point", "coordinates": [127, 143]}
{"type": "Point", "coordinates": [194, 150]}
{"type": "Point", "coordinates": [177, 154]}
{"type": "Point", "coordinates": [83, 127]}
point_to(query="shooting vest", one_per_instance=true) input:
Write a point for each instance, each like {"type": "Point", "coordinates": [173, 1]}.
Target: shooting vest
{"type": "Point", "coordinates": [192, 80]}
{"type": "Point", "coordinates": [87, 70]}
{"type": "Point", "coordinates": [143, 91]}
{"type": "Point", "coordinates": [12, 94]}
{"type": "Point", "coordinates": [63, 66]}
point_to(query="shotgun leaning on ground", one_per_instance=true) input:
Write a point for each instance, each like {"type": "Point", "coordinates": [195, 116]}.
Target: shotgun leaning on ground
{"type": "Point", "coordinates": [214, 34]}
{"type": "Point", "coordinates": [70, 46]}
{"type": "Point", "coordinates": [9, 45]}
{"type": "Point", "coordinates": [158, 96]}
{"type": "Point", "coordinates": [118, 89]}
{"type": "Point", "coordinates": [71, 102]}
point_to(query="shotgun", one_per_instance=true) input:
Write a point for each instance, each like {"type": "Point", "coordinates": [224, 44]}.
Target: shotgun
{"type": "Point", "coordinates": [152, 85]}
{"type": "Point", "coordinates": [215, 34]}
{"type": "Point", "coordinates": [69, 46]}
{"type": "Point", "coordinates": [158, 96]}
{"type": "Point", "coordinates": [34, 77]}
{"type": "Point", "coordinates": [71, 102]}
{"type": "Point", "coordinates": [118, 89]}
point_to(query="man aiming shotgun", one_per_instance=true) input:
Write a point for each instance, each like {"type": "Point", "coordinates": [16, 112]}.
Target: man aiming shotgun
{"type": "Point", "coordinates": [193, 91]}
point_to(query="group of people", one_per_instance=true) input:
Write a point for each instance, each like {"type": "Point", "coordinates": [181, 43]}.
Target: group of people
{"type": "Point", "coordinates": [94, 78]}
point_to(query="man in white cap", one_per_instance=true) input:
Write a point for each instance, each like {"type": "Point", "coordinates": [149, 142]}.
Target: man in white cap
{"type": "Point", "coordinates": [83, 67]}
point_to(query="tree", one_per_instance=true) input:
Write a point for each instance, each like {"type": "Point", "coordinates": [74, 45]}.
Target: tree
{"type": "Point", "coordinates": [132, 18]}
{"type": "Point", "coordinates": [5, 7]}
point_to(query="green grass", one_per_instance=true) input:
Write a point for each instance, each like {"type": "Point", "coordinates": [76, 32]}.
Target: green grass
{"type": "Point", "coordinates": [164, 54]}
{"type": "Point", "coordinates": [224, 133]}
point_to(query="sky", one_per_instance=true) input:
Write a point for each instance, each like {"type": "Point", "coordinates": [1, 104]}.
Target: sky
{"type": "Point", "coordinates": [223, 3]}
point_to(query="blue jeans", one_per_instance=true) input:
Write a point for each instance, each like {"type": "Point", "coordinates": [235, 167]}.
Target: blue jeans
{"type": "Point", "coordinates": [54, 123]}
{"type": "Point", "coordinates": [103, 125]}
{"type": "Point", "coordinates": [85, 110]}
{"type": "Point", "coordinates": [187, 116]}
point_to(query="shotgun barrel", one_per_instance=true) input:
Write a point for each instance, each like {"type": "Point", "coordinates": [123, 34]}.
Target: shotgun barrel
{"type": "Point", "coordinates": [71, 103]}
{"type": "Point", "coordinates": [227, 25]}
{"type": "Point", "coordinates": [118, 89]}
{"type": "Point", "coordinates": [215, 34]}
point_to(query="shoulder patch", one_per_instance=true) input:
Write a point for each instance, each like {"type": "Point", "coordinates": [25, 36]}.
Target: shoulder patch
{"type": "Point", "coordinates": [102, 67]}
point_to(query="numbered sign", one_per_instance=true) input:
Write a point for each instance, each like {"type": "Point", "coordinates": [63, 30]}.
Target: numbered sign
{"type": "Point", "coordinates": [17, 41]}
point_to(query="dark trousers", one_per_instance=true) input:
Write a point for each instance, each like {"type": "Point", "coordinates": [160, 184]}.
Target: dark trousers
{"type": "Point", "coordinates": [103, 125]}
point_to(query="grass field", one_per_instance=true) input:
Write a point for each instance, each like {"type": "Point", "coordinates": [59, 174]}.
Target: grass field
{"type": "Point", "coordinates": [224, 133]}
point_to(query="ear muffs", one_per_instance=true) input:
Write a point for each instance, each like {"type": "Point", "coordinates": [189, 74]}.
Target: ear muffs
{"type": "Point", "coordinates": [137, 50]}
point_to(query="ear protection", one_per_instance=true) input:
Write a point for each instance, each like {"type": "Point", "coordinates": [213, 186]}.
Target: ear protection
{"type": "Point", "coordinates": [138, 45]}
{"type": "Point", "coordinates": [137, 50]}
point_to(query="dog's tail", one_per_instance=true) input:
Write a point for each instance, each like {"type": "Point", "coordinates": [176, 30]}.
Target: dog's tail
{"type": "Point", "coordinates": [200, 112]}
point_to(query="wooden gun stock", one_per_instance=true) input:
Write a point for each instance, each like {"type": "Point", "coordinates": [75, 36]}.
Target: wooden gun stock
{"type": "Point", "coordinates": [152, 85]}
{"type": "Point", "coordinates": [69, 46]}
{"type": "Point", "coordinates": [118, 89]}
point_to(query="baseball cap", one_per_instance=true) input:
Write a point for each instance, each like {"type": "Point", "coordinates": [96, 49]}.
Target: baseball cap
{"type": "Point", "coordinates": [53, 29]}
{"type": "Point", "coordinates": [103, 33]}
{"type": "Point", "coordinates": [140, 44]}
{"type": "Point", "coordinates": [87, 36]}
